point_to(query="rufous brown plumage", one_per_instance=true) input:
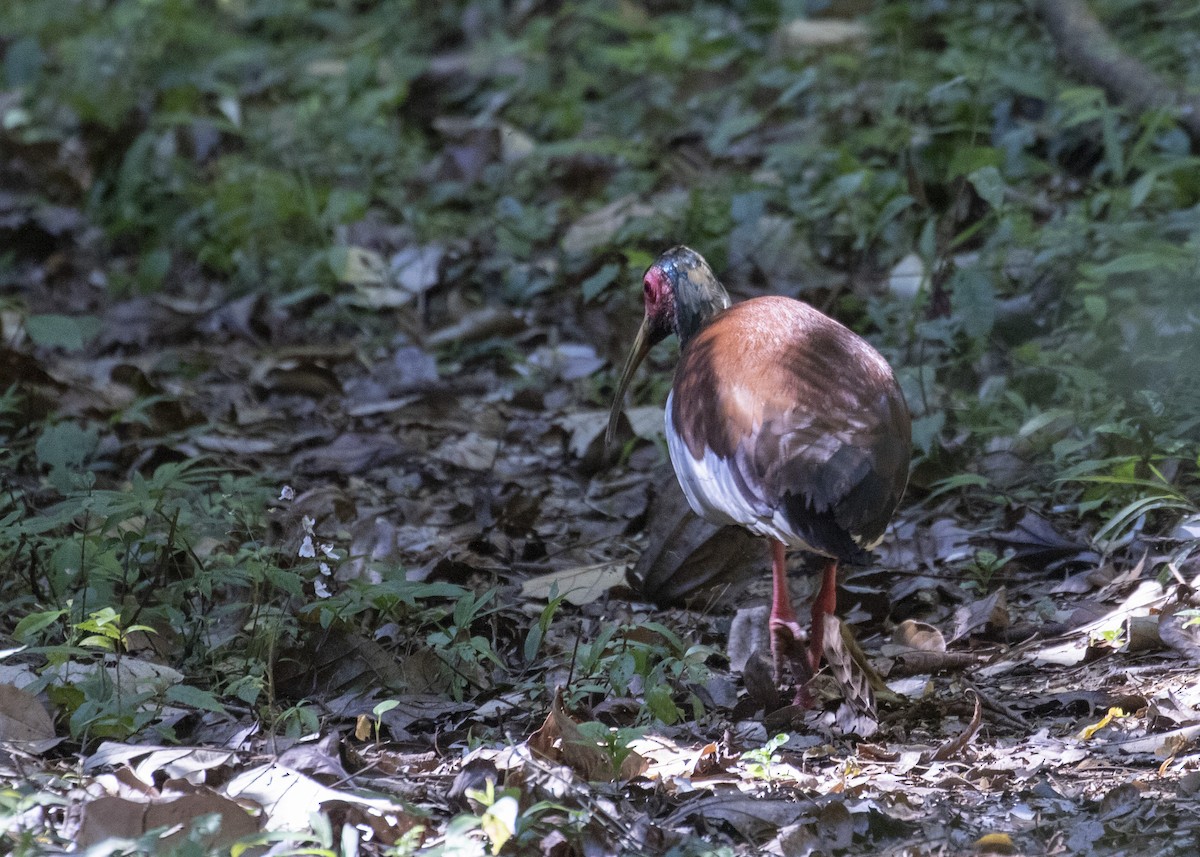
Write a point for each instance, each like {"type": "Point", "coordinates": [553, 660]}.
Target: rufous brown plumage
{"type": "Point", "coordinates": [781, 420]}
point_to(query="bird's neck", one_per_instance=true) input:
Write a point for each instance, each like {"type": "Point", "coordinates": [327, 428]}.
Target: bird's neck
{"type": "Point", "coordinates": [697, 302]}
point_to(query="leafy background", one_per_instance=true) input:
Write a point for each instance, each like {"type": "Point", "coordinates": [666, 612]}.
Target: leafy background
{"type": "Point", "coordinates": [310, 316]}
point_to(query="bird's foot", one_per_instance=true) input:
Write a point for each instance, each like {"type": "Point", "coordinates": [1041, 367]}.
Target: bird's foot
{"type": "Point", "coordinates": [790, 654]}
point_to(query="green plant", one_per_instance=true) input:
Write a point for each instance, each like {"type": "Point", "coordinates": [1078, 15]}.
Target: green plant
{"type": "Point", "coordinates": [503, 820]}
{"type": "Point", "coordinates": [650, 653]}
{"type": "Point", "coordinates": [615, 742]}
{"type": "Point", "coordinates": [1141, 496]}
{"type": "Point", "coordinates": [105, 630]}
{"type": "Point", "coordinates": [466, 654]}
{"type": "Point", "coordinates": [1114, 638]}
{"type": "Point", "coordinates": [379, 710]}
{"type": "Point", "coordinates": [759, 760]}
{"type": "Point", "coordinates": [297, 720]}
{"type": "Point", "coordinates": [983, 569]}
{"type": "Point", "coordinates": [19, 804]}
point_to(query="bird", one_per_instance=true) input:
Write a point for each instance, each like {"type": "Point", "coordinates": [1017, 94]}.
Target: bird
{"type": "Point", "coordinates": [781, 420]}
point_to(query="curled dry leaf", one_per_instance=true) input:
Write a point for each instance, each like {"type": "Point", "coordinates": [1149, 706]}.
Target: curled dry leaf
{"type": "Point", "coordinates": [1033, 538]}
{"type": "Point", "coordinates": [1179, 631]}
{"type": "Point", "coordinates": [748, 633]}
{"type": "Point", "coordinates": [1085, 581]}
{"type": "Point", "coordinates": [753, 817]}
{"type": "Point", "coordinates": [799, 37]}
{"type": "Point", "coordinates": [920, 636]}
{"type": "Point", "coordinates": [916, 755]}
{"type": "Point", "coordinates": [990, 612]}
{"type": "Point", "coordinates": [709, 762]}
{"type": "Point", "coordinates": [601, 226]}
{"type": "Point", "coordinates": [1162, 744]}
{"type": "Point", "coordinates": [954, 746]}
{"type": "Point", "coordinates": [578, 586]}
{"type": "Point", "coordinates": [561, 741]}
{"type": "Point", "coordinates": [857, 714]}
{"type": "Point", "coordinates": [24, 720]}
{"type": "Point", "coordinates": [387, 825]}
{"type": "Point", "coordinates": [688, 557]}
{"type": "Point", "coordinates": [480, 324]}
{"type": "Point", "coordinates": [1112, 715]}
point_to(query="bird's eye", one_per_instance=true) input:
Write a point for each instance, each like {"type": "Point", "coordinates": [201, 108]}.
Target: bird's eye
{"type": "Point", "coordinates": [647, 289]}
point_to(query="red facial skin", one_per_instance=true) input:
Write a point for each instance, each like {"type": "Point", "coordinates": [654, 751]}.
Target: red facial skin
{"type": "Point", "coordinates": [660, 304]}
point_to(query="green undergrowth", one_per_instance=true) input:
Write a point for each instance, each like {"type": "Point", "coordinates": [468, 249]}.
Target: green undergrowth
{"type": "Point", "coordinates": [1048, 344]}
{"type": "Point", "coordinates": [176, 589]}
{"type": "Point", "coordinates": [1057, 232]}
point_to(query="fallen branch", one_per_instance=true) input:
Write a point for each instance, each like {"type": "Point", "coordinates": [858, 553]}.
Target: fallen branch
{"type": "Point", "coordinates": [1082, 40]}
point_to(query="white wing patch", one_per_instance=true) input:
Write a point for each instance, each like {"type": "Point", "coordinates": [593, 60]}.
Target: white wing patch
{"type": "Point", "coordinates": [714, 494]}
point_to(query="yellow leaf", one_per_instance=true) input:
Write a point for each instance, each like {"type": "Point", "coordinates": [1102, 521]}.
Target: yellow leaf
{"type": "Point", "coordinates": [995, 843]}
{"type": "Point", "coordinates": [500, 822]}
{"type": "Point", "coordinates": [1087, 732]}
{"type": "Point", "coordinates": [362, 727]}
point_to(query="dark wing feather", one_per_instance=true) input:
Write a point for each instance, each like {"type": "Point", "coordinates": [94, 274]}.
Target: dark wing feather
{"type": "Point", "coordinates": [806, 413]}
{"type": "Point", "coordinates": [839, 483]}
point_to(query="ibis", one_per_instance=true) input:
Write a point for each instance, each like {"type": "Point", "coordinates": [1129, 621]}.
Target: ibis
{"type": "Point", "coordinates": [781, 420]}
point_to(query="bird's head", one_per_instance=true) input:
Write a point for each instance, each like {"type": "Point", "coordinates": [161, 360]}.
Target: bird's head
{"type": "Point", "coordinates": [681, 294]}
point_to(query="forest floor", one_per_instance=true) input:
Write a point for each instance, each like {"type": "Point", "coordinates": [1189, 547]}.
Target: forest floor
{"type": "Point", "coordinates": [1035, 703]}
{"type": "Point", "coordinates": [311, 541]}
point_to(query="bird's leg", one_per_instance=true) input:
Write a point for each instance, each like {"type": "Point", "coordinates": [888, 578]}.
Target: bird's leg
{"type": "Point", "coordinates": [824, 604]}
{"type": "Point", "coordinates": [786, 633]}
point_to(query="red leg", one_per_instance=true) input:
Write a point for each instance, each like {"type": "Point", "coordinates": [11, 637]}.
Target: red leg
{"type": "Point", "coordinates": [786, 633]}
{"type": "Point", "coordinates": [824, 604]}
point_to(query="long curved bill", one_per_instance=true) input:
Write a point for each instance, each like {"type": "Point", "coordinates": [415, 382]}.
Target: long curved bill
{"type": "Point", "coordinates": [641, 347]}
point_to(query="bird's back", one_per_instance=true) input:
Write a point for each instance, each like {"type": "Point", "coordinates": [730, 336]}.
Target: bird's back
{"type": "Point", "coordinates": [790, 424]}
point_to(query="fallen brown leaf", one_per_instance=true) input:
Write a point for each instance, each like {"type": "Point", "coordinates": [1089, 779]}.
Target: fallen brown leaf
{"type": "Point", "coordinates": [950, 749]}
{"type": "Point", "coordinates": [23, 718]}
{"type": "Point", "coordinates": [919, 635]}
{"type": "Point", "coordinates": [560, 741]}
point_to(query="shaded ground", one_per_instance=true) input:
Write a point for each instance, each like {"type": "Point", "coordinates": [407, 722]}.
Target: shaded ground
{"type": "Point", "coordinates": [463, 477]}
{"type": "Point", "coordinates": [308, 523]}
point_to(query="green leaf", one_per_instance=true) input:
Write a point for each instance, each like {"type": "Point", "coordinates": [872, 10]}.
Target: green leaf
{"type": "Point", "coordinates": [894, 206]}
{"type": "Point", "coordinates": [247, 689]}
{"type": "Point", "coordinates": [1163, 258]}
{"type": "Point", "coordinates": [1039, 421]}
{"type": "Point", "coordinates": [661, 705]}
{"type": "Point", "coordinates": [68, 332]}
{"type": "Point", "coordinates": [1141, 188]}
{"type": "Point", "coordinates": [499, 822]}
{"type": "Point", "coordinates": [925, 430]}
{"type": "Point", "coordinates": [357, 266]}
{"type": "Point", "coordinates": [989, 184]}
{"type": "Point", "coordinates": [65, 445]}
{"type": "Point", "coordinates": [345, 206]}
{"type": "Point", "coordinates": [35, 622]}
{"type": "Point", "coordinates": [153, 268]}
{"type": "Point", "coordinates": [1096, 306]}
{"type": "Point", "coordinates": [599, 281]}
{"type": "Point", "coordinates": [959, 480]}
{"type": "Point", "coordinates": [99, 641]}
{"type": "Point", "coordinates": [970, 159]}
{"type": "Point", "coordinates": [185, 694]}
{"type": "Point", "coordinates": [974, 301]}
{"type": "Point", "coordinates": [747, 207]}
{"type": "Point", "coordinates": [533, 642]}
{"type": "Point", "coordinates": [384, 707]}
{"type": "Point", "coordinates": [23, 61]}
